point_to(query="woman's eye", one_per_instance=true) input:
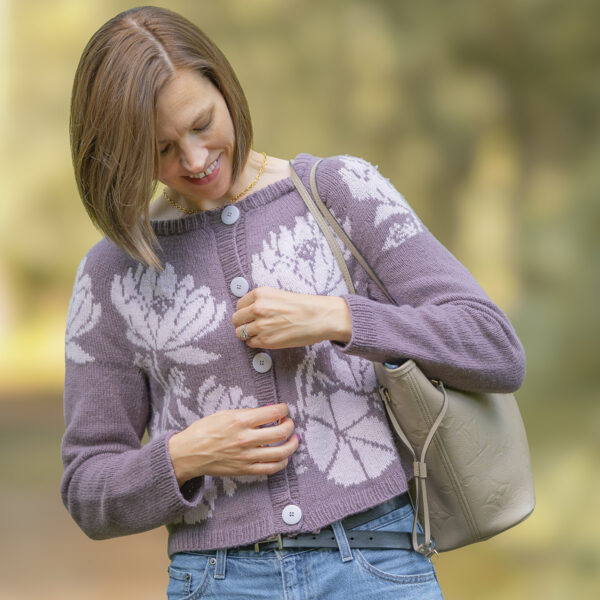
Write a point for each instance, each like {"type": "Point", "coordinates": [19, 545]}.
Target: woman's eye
{"type": "Point", "coordinates": [203, 127]}
{"type": "Point", "coordinates": [164, 150]}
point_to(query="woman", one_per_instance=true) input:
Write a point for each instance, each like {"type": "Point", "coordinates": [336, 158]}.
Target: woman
{"type": "Point", "coordinates": [218, 319]}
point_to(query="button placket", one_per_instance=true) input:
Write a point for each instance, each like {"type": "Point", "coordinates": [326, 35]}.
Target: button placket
{"type": "Point", "coordinates": [231, 233]}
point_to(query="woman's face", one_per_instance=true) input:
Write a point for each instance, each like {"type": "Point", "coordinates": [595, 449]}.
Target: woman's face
{"type": "Point", "coordinates": [196, 139]}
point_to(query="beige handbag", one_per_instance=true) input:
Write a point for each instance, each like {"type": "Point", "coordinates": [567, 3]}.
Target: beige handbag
{"type": "Point", "coordinates": [472, 471]}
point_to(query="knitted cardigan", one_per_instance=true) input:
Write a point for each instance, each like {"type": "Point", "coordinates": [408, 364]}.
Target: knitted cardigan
{"type": "Point", "coordinates": [156, 350]}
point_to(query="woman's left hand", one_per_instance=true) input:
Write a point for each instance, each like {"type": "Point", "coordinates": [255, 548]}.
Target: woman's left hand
{"type": "Point", "coordinates": [278, 319]}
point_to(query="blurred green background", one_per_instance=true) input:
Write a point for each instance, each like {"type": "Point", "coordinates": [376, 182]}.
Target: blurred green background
{"type": "Point", "coordinates": [483, 114]}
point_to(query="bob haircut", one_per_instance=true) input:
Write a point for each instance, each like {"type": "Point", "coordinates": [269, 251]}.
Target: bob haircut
{"type": "Point", "coordinates": [115, 153]}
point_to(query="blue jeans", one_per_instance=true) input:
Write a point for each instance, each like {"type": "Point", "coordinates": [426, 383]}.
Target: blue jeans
{"type": "Point", "coordinates": [319, 574]}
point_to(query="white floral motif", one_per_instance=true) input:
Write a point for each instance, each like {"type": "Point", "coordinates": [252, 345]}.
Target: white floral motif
{"type": "Point", "coordinates": [166, 316]}
{"type": "Point", "coordinates": [343, 425]}
{"type": "Point", "coordinates": [299, 261]}
{"type": "Point", "coordinates": [214, 397]}
{"type": "Point", "coordinates": [83, 315]}
{"type": "Point", "coordinates": [366, 183]}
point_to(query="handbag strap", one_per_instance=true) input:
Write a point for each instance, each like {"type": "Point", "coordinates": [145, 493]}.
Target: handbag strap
{"type": "Point", "coordinates": [343, 235]}
{"type": "Point", "coordinates": [322, 214]}
{"type": "Point", "coordinates": [318, 215]}
{"type": "Point", "coordinates": [419, 468]}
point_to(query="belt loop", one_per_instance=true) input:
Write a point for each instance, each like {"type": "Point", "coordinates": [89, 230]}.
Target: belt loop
{"type": "Point", "coordinates": [342, 541]}
{"type": "Point", "coordinates": [220, 566]}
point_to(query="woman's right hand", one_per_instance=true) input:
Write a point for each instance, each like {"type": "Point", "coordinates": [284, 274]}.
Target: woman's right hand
{"type": "Point", "coordinates": [232, 443]}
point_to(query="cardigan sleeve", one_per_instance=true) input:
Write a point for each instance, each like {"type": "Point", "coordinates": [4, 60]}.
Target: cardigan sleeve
{"type": "Point", "coordinates": [444, 320]}
{"type": "Point", "coordinates": [112, 484]}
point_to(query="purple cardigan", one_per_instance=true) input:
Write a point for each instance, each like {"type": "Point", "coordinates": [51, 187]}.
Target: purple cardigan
{"type": "Point", "coordinates": [157, 350]}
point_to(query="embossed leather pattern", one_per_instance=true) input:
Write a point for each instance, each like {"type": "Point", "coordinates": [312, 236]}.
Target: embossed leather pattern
{"type": "Point", "coordinates": [479, 481]}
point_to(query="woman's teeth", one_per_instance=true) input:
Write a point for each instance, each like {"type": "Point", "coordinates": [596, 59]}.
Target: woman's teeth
{"type": "Point", "coordinates": [205, 173]}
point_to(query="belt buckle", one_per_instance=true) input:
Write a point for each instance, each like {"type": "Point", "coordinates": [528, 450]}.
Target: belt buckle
{"type": "Point", "coordinates": [273, 538]}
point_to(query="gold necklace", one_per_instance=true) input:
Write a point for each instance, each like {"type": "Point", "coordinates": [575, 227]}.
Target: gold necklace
{"type": "Point", "coordinates": [187, 211]}
{"type": "Point", "coordinates": [260, 172]}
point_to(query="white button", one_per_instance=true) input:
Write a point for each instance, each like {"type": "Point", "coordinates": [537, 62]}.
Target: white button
{"type": "Point", "coordinates": [291, 514]}
{"type": "Point", "coordinates": [230, 215]}
{"type": "Point", "coordinates": [239, 286]}
{"type": "Point", "coordinates": [262, 362]}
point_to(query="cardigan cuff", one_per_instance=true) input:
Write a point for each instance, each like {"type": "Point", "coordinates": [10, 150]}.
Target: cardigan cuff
{"type": "Point", "coordinates": [365, 331]}
{"type": "Point", "coordinates": [174, 498]}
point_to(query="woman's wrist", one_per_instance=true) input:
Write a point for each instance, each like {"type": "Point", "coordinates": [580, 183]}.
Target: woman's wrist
{"type": "Point", "coordinates": [176, 453]}
{"type": "Point", "coordinates": [338, 320]}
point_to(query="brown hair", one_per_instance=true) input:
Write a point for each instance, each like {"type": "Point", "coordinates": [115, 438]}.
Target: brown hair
{"type": "Point", "coordinates": [113, 117]}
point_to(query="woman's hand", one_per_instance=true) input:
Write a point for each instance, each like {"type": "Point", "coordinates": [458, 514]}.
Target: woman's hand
{"type": "Point", "coordinates": [278, 319]}
{"type": "Point", "coordinates": [234, 442]}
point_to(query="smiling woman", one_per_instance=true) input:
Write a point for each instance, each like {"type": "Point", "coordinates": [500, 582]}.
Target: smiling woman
{"type": "Point", "coordinates": [114, 137]}
{"type": "Point", "coordinates": [196, 140]}
{"type": "Point", "coordinates": [219, 321]}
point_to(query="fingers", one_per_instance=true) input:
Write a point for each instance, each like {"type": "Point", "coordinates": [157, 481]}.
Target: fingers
{"type": "Point", "coordinates": [272, 452]}
{"type": "Point", "coordinates": [247, 441]}
{"type": "Point", "coordinates": [270, 459]}
{"type": "Point", "coordinates": [266, 468]}
{"type": "Point", "coordinates": [244, 332]}
{"type": "Point", "coordinates": [246, 300]}
{"type": "Point", "coordinates": [275, 434]}
{"type": "Point", "coordinates": [255, 417]}
{"type": "Point", "coordinates": [251, 306]}
{"type": "Point", "coordinates": [266, 460]}
{"type": "Point", "coordinates": [245, 315]}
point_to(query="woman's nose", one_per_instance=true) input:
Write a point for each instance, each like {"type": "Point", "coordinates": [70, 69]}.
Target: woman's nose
{"type": "Point", "coordinates": [194, 157]}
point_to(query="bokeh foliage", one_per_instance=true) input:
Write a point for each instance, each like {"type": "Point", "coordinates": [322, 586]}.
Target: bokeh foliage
{"type": "Point", "coordinates": [483, 114]}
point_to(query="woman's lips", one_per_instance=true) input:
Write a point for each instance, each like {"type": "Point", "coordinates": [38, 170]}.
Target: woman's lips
{"type": "Point", "coordinates": [207, 178]}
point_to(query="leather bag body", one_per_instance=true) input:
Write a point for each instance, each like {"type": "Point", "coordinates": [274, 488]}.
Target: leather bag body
{"type": "Point", "coordinates": [478, 479]}
{"type": "Point", "coordinates": [471, 463]}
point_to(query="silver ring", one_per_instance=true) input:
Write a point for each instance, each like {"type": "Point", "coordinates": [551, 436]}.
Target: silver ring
{"type": "Point", "coordinates": [244, 333]}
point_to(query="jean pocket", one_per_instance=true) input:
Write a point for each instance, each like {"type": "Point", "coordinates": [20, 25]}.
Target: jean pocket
{"type": "Point", "coordinates": [188, 576]}
{"type": "Point", "coordinates": [401, 566]}
{"type": "Point", "coordinates": [393, 564]}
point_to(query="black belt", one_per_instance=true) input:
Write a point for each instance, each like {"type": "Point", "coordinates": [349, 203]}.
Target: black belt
{"type": "Point", "coordinates": [356, 539]}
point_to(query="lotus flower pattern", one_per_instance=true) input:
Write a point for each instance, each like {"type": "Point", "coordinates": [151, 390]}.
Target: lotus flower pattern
{"type": "Point", "coordinates": [341, 419]}
{"type": "Point", "coordinates": [367, 184]}
{"type": "Point", "coordinates": [299, 260]}
{"type": "Point", "coordinates": [82, 317]}
{"type": "Point", "coordinates": [167, 317]}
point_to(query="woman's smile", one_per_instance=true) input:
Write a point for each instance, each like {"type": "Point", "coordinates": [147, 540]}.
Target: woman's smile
{"type": "Point", "coordinates": [206, 176]}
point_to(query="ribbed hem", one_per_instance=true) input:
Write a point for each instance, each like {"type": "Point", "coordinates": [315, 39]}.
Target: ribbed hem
{"type": "Point", "coordinates": [170, 497]}
{"type": "Point", "coordinates": [190, 538]}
